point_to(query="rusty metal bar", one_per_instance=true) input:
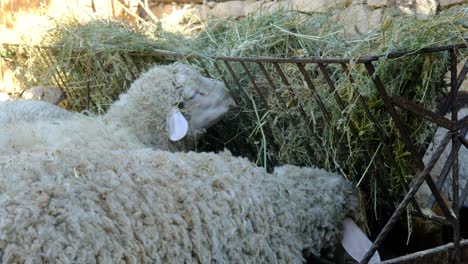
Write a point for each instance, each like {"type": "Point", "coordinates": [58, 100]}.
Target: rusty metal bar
{"type": "Point", "coordinates": [318, 100]}
{"type": "Point", "coordinates": [282, 76]}
{"type": "Point", "coordinates": [405, 136]}
{"type": "Point", "coordinates": [338, 100]}
{"type": "Point", "coordinates": [296, 102]}
{"type": "Point", "coordinates": [446, 169]}
{"type": "Point", "coordinates": [220, 73]}
{"type": "Point", "coordinates": [461, 123]}
{"type": "Point", "coordinates": [274, 88]}
{"type": "Point", "coordinates": [463, 140]}
{"type": "Point", "coordinates": [270, 82]}
{"type": "Point", "coordinates": [205, 69]}
{"type": "Point", "coordinates": [461, 78]}
{"type": "Point", "coordinates": [237, 82]}
{"type": "Point", "coordinates": [422, 112]}
{"type": "Point", "coordinates": [311, 87]}
{"type": "Point", "coordinates": [254, 84]}
{"type": "Point", "coordinates": [364, 106]}
{"type": "Point", "coordinates": [432, 217]}
{"type": "Point", "coordinates": [351, 126]}
{"type": "Point", "coordinates": [380, 133]}
{"type": "Point", "coordinates": [363, 59]}
{"type": "Point", "coordinates": [455, 166]}
{"type": "Point", "coordinates": [49, 63]}
{"type": "Point", "coordinates": [331, 86]}
{"type": "Point", "coordinates": [401, 207]}
{"type": "Point", "coordinates": [60, 77]}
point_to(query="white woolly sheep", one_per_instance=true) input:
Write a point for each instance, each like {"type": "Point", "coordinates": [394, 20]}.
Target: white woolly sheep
{"type": "Point", "coordinates": [30, 110]}
{"type": "Point", "coordinates": [80, 205]}
{"type": "Point", "coordinates": [139, 116]}
{"type": "Point", "coordinates": [91, 192]}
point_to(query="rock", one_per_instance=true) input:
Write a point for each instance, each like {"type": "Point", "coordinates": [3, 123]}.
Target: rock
{"type": "Point", "coordinates": [157, 10]}
{"type": "Point", "coordinates": [318, 5]}
{"type": "Point", "coordinates": [424, 8]}
{"type": "Point", "coordinates": [203, 12]}
{"type": "Point", "coordinates": [405, 6]}
{"type": "Point", "coordinates": [229, 9]}
{"type": "Point", "coordinates": [375, 18]}
{"type": "Point", "coordinates": [211, 4]}
{"type": "Point", "coordinates": [253, 7]}
{"type": "Point", "coordinates": [358, 2]}
{"type": "Point", "coordinates": [170, 8]}
{"type": "Point", "coordinates": [464, 86]}
{"type": "Point", "coordinates": [376, 3]}
{"type": "Point", "coordinates": [356, 19]}
{"type": "Point", "coordinates": [448, 3]}
{"type": "Point", "coordinates": [267, 7]}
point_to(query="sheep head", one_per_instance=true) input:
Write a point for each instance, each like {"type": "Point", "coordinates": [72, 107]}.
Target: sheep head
{"type": "Point", "coordinates": [204, 101]}
{"type": "Point", "coordinates": [170, 107]}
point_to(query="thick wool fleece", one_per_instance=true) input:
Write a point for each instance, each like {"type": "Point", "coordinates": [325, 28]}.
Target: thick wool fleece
{"type": "Point", "coordinates": [146, 206]}
{"type": "Point", "coordinates": [30, 110]}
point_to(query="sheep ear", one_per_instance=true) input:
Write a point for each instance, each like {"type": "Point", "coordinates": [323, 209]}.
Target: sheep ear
{"type": "Point", "coordinates": [355, 242]}
{"type": "Point", "coordinates": [177, 125]}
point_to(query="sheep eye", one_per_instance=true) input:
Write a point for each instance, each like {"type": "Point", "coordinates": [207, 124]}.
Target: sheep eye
{"type": "Point", "coordinates": [197, 93]}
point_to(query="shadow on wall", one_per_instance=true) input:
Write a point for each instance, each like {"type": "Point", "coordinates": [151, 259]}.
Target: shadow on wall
{"type": "Point", "coordinates": [10, 8]}
{"type": "Point", "coordinates": [24, 21]}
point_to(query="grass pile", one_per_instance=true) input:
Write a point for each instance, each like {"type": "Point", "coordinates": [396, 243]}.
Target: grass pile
{"type": "Point", "coordinates": [273, 130]}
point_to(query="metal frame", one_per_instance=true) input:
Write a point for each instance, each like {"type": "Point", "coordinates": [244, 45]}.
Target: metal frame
{"type": "Point", "coordinates": [457, 129]}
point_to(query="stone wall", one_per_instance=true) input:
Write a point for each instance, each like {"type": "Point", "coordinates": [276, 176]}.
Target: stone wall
{"type": "Point", "coordinates": [360, 15]}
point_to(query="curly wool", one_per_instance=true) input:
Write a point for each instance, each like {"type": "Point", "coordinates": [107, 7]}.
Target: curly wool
{"type": "Point", "coordinates": [78, 131]}
{"type": "Point", "coordinates": [30, 110]}
{"type": "Point", "coordinates": [146, 206]}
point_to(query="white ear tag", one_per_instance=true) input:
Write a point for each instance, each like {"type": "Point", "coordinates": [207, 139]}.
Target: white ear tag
{"type": "Point", "coordinates": [177, 125]}
{"type": "Point", "coordinates": [355, 242]}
